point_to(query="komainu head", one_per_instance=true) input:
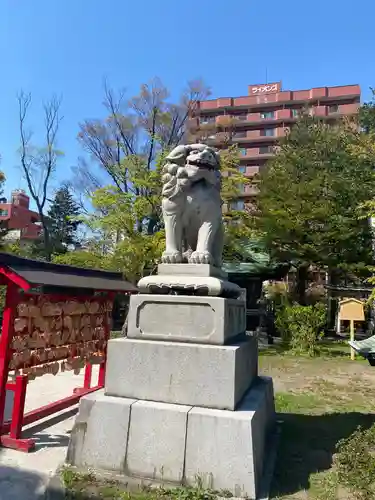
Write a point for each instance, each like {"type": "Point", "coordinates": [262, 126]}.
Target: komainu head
{"type": "Point", "coordinates": [186, 165]}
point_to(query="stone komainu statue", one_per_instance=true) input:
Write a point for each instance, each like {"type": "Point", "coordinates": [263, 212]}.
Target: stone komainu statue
{"type": "Point", "coordinates": [191, 206]}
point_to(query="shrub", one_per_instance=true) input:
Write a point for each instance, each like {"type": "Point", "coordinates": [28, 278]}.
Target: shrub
{"type": "Point", "coordinates": [277, 293]}
{"type": "Point", "coordinates": [355, 463]}
{"type": "Point", "coordinates": [300, 327]}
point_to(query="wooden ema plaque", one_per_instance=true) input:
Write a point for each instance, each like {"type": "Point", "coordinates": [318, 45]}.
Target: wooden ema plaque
{"type": "Point", "coordinates": [45, 334]}
{"type": "Point", "coordinates": [56, 318]}
{"type": "Point", "coordinates": [52, 335]}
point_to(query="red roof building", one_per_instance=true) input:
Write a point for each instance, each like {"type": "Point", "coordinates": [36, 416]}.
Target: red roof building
{"type": "Point", "coordinates": [22, 223]}
{"type": "Point", "coordinates": [257, 121]}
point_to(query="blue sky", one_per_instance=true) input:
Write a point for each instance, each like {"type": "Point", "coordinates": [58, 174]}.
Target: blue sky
{"type": "Point", "coordinates": [68, 47]}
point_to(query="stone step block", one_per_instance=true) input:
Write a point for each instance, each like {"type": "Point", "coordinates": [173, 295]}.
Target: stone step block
{"type": "Point", "coordinates": [100, 432]}
{"type": "Point", "coordinates": [157, 439]}
{"type": "Point", "coordinates": [226, 450]}
{"type": "Point", "coordinates": [206, 320]}
{"type": "Point", "coordinates": [168, 443]}
{"type": "Point", "coordinates": [174, 372]}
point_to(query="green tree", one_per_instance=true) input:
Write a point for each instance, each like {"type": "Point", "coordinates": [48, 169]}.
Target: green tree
{"type": "Point", "coordinates": [62, 221]}
{"type": "Point", "coordinates": [310, 198]}
{"type": "Point", "coordinates": [89, 258]}
{"type": "Point", "coordinates": [367, 114]}
{"type": "Point", "coordinates": [127, 227]}
{"type": "Point", "coordinates": [134, 130]}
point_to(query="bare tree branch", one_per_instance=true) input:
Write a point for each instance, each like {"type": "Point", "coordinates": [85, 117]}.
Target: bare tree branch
{"type": "Point", "coordinates": [138, 129]}
{"type": "Point", "coordinates": [38, 164]}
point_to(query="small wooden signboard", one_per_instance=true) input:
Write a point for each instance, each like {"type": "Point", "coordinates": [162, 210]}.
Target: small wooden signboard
{"type": "Point", "coordinates": [351, 310]}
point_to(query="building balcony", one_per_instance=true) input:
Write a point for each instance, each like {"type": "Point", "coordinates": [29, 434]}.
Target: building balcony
{"type": "Point", "coordinates": [272, 118]}
{"type": "Point", "coordinates": [299, 96]}
{"type": "Point", "coordinates": [263, 152]}
{"type": "Point", "coordinates": [255, 138]}
{"type": "Point", "coordinates": [320, 111]}
{"type": "Point", "coordinates": [343, 91]}
{"type": "Point", "coordinates": [349, 109]}
{"type": "Point", "coordinates": [249, 190]}
{"type": "Point", "coordinates": [252, 170]}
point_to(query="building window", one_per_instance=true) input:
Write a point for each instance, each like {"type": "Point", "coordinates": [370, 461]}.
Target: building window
{"type": "Point", "coordinates": [243, 151]}
{"type": "Point", "coordinates": [295, 113]}
{"type": "Point", "coordinates": [265, 150]}
{"type": "Point", "coordinates": [207, 119]}
{"type": "Point", "coordinates": [237, 205]}
{"type": "Point", "coordinates": [240, 135]}
{"type": "Point", "coordinates": [268, 132]}
{"type": "Point", "coordinates": [266, 115]}
{"type": "Point", "coordinates": [242, 117]}
{"type": "Point", "coordinates": [242, 169]}
{"type": "Point", "coordinates": [333, 108]}
{"type": "Point", "coordinates": [3, 213]}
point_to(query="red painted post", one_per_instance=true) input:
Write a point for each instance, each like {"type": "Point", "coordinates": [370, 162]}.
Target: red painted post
{"type": "Point", "coordinates": [88, 374]}
{"type": "Point", "coordinates": [11, 302]}
{"type": "Point", "coordinates": [18, 406]}
{"type": "Point", "coordinates": [101, 376]}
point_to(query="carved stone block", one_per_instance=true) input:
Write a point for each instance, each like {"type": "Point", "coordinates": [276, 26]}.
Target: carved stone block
{"type": "Point", "coordinates": [192, 285]}
{"type": "Point", "coordinates": [202, 320]}
{"type": "Point", "coordinates": [200, 270]}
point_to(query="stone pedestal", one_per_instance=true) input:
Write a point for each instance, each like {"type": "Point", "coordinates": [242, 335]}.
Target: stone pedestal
{"type": "Point", "coordinates": [175, 372]}
{"type": "Point", "coordinates": [183, 318]}
{"type": "Point", "coordinates": [182, 400]}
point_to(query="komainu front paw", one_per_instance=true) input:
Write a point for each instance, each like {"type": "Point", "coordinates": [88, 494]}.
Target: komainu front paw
{"type": "Point", "coordinates": [200, 258]}
{"type": "Point", "coordinates": [171, 258]}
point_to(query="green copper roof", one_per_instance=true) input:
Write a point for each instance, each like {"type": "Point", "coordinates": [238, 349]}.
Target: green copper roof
{"type": "Point", "coordinates": [254, 260]}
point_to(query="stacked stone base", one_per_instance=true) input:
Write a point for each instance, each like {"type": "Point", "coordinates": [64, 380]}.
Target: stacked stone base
{"type": "Point", "coordinates": [183, 403]}
{"type": "Point", "coordinates": [176, 444]}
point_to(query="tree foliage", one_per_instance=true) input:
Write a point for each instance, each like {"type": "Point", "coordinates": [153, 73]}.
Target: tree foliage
{"type": "Point", "coordinates": [141, 127]}
{"type": "Point", "coordinates": [367, 114]}
{"type": "Point", "coordinates": [311, 193]}
{"type": "Point", "coordinates": [128, 227]}
{"type": "Point", "coordinates": [62, 221]}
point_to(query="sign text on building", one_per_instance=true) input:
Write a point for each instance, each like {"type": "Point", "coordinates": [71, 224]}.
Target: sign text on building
{"type": "Point", "coordinates": [267, 88]}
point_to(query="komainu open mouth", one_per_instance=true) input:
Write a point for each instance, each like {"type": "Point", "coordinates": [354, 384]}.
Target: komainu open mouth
{"type": "Point", "coordinates": [201, 164]}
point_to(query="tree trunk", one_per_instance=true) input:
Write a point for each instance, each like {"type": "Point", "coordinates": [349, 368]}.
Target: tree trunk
{"type": "Point", "coordinates": [301, 284]}
{"type": "Point", "coordinates": [333, 280]}
{"type": "Point", "coordinates": [46, 238]}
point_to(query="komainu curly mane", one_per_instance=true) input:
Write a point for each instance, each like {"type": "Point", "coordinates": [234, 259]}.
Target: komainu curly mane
{"type": "Point", "coordinates": [191, 206]}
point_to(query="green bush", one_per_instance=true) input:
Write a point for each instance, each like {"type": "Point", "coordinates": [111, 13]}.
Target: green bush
{"type": "Point", "coordinates": [355, 463]}
{"type": "Point", "coordinates": [278, 293]}
{"type": "Point", "coordinates": [301, 327]}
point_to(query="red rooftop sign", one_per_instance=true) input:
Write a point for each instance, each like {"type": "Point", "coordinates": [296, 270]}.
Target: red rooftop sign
{"type": "Point", "coordinates": [264, 88]}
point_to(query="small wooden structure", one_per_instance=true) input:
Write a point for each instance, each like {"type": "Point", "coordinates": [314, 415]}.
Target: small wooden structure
{"type": "Point", "coordinates": [56, 317]}
{"type": "Point", "coordinates": [351, 309]}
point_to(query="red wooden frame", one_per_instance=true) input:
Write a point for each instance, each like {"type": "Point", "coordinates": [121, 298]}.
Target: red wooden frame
{"type": "Point", "coordinates": [11, 430]}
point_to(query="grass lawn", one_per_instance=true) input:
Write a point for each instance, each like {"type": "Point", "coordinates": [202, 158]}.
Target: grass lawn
{"type": "Point", "coordinates": [319, 401]}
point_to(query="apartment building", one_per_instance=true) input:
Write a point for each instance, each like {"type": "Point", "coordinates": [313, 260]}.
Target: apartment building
{"type": "Point", "coordinates": [22, 223]}
{"type": "Point", "coordinates": [257, 121]}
